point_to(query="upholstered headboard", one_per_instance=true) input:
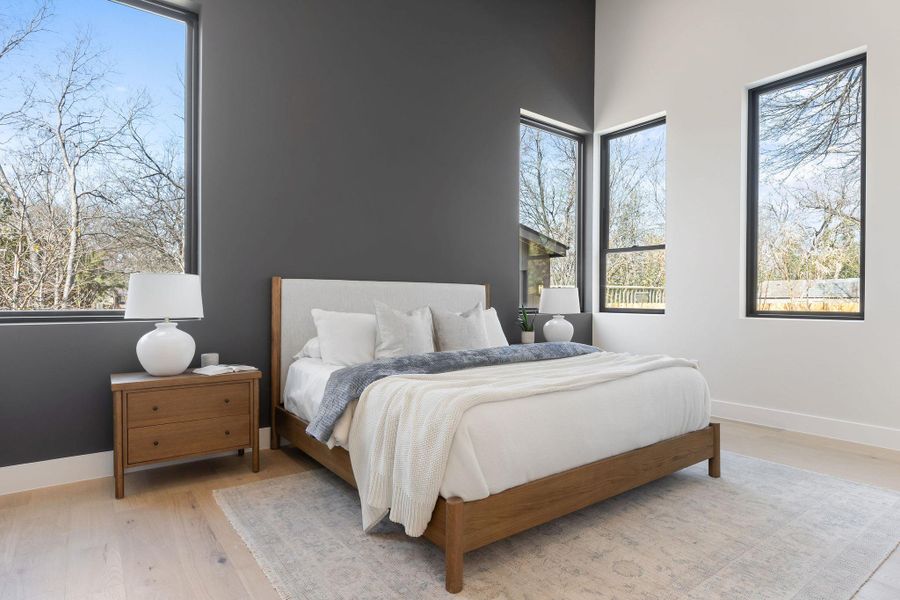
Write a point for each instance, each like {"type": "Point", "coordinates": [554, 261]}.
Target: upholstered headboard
{"type": "Point", "coordinates": [293, 299]}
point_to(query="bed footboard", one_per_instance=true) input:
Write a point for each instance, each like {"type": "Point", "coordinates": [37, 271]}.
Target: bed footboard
{"type": "Point", "coordinates": [459, 527]}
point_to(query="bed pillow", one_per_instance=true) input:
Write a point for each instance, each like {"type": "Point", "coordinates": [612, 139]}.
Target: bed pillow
{"type": "Point", "coordinates": [494, 330]}
{"type": "Point", "coordinates": [345, 339]}
{"type": "Point", "coordinates": [402, 333]}
{"type": "Point", "coordinates": [460, 331]}
{"type": "Point", "coordinates": [310, 349]}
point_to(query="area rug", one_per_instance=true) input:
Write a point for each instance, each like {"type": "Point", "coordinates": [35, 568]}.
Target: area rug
{"type": "Point", "coordinates": [762, 531]}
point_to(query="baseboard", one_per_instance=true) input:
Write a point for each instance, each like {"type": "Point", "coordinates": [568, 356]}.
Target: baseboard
{"type": "Point", "coordinates": [848, 431]}
{"type": "Point", "coordinates": [59, 471]}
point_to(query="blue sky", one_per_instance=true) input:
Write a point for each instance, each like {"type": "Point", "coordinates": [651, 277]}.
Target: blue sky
{"type": "Point", "coordinates": [145, 51]}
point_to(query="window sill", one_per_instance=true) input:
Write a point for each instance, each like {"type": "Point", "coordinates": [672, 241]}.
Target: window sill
{"type": "Point", "coordinates": [834, 317]}
{"type": "Point", "coordinates": [76, 317]}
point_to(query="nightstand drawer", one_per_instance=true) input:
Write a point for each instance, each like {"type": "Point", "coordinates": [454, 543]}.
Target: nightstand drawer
{"type": "Point", "coordinates": [187, 403]}
{"type": "Point", "coordinates": [190, 437]}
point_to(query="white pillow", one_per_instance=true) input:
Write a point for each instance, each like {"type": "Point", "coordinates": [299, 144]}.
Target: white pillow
{"type": "Point", "coordinates": [345, 338]}
{"type": "Point", "coordinates": [460, 331]}
{"type": "Point", "coordinates": [310, 349]}
{"type": "Point", "coordinates": [494, 330]}
{"type": "Point", "coordinates": [402, 333]}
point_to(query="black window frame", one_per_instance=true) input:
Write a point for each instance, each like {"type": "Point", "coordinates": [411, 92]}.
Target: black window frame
{"type": "Point", "coordinates": [604, 216]}
{"type": "Point", "coordinates": [191, 169]}
{"type": "Point", "coordinates": [753, 193]}
{"type": "Point", "coordinates": [581, 203]}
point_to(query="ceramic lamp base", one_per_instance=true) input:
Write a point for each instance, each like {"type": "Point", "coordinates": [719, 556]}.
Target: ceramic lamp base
{"type": "Point", "coordinates": [558, 329]}
{"type": "Point", "coordinates": [166, 350]}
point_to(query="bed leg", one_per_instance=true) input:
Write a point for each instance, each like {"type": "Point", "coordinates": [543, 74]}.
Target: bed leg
{"type": "Point", "coordinates": [715, 462]}
{"type": "Point", "coordinates": [453, 546]}
{"type": "Point", "coordinates": [273, 437]}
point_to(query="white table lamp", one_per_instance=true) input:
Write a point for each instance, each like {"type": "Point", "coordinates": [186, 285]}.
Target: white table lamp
{"type": "Point", "coordinates": [166, 350]}
{"type": "Point", "coordinates": [558, 302]}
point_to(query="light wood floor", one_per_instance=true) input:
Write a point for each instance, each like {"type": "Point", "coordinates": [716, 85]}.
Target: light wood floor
{"type": "Point", "coordinates": [168, 539]}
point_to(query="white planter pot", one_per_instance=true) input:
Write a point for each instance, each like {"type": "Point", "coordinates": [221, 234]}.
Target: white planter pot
{"type": "Point", "coordinates": [527, 337]}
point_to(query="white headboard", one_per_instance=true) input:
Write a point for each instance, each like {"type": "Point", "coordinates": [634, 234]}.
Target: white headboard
{"type": "Point", "coordinates": [292, 300]}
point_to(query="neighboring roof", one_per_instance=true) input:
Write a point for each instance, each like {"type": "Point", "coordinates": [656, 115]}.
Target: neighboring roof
{"type": "Point", "coordinates": [546, 245]}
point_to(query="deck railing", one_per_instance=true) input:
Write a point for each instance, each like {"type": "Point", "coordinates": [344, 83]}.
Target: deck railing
{"type": "Point", "coordinates": [634, 296]}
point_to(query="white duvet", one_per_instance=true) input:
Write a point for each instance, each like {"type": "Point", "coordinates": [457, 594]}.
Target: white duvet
{"type": "Point", "coordinates": [404, 425]}
{"type": "Point", "coordinates": [499, 445]}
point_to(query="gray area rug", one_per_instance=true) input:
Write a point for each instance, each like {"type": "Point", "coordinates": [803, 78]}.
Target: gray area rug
{"type": "Point", "coordinates": [762, 531]}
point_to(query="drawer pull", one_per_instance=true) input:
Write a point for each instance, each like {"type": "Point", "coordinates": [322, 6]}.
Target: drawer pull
{"type": "Point", "coordinates": [227, 400]}
{"type": "Point", "coordinates": [227, 432]}
{"type": "Point", "coordinates": [155, 442]}
{"type": "Point", "coordinates": [155, 408]}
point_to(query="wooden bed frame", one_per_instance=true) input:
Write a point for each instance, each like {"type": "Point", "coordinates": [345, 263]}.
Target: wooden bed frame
{"type": "Point", "coordinates": [458, 527]}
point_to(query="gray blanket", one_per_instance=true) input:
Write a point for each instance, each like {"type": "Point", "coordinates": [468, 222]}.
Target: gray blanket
{"type": "Point", "coordinates": [346, 385]}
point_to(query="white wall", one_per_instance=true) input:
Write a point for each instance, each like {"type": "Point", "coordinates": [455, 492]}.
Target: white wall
{"type": "Point", "coordinates": [694, 60]}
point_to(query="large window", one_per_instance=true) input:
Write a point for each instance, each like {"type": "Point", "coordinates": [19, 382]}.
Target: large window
{"type": "Point", "coordinates": [633, 219]}
{"type": "Point", "coordinates": [97, 137]}
{"type": "Point", "coordinates": [550, 182]}
{"type": "Point", "coordinates": [806, 194]}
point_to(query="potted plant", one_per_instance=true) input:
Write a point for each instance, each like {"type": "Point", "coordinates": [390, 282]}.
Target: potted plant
{"type": "Point", "coordinates": [527, 325]}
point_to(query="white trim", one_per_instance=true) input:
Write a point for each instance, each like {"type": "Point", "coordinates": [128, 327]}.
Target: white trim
{"type": "Point", "coordinates": [550, 121]}
{"type": "Point", "coordinates": [60, 471]}
{"type": "Point", "coordinates": [808, 67]}
{"type": "Point", "coordinates": [848, 431]}
{"type": "Point", "coordinates": [632, 123]}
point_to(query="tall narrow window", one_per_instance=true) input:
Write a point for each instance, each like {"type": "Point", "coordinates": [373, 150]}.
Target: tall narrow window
{"type": "Point", "coordinates": [806, 194]}
{"type": "Point", "coordinates": [633, 219]}
{"type": "Point", "coordinates": [550, 182]}
{"type": "Point", "coordinates": [97, 128]}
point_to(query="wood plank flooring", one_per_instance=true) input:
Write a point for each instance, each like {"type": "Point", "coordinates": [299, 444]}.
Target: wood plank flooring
{"type": "Point", "coordinates": [168, 539]}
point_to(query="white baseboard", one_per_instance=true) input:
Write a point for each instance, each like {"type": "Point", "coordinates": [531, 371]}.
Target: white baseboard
{"type": "Point", "coordinates": [59, 471]}
{"type": "Point", "coordinates": [848, 431]}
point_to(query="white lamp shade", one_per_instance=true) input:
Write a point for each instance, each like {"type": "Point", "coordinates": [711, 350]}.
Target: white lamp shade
{"type": "Point", "coordinates": [163, 296]}
{"type": "Point", "coordinates": [559, 301]}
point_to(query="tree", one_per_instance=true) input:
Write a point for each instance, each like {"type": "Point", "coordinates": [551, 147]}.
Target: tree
{"type": "Point", "coordinates": [15, 226]}
{"type": "Point", "coordinates": [809, 203]}
{"type": "Point", "coordinates": [637, 208]}
{"type": "Point", "coordinates": [548, 195]}
{"type": "Point", "coordinates": [86, 196]}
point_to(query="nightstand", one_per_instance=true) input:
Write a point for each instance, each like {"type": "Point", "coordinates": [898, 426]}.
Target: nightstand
{"type": "Point", "coordinates": [164, 418]}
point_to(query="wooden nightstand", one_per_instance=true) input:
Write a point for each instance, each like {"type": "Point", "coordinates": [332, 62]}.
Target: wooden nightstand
{"type": "Point", "coordinates": [163, 418]}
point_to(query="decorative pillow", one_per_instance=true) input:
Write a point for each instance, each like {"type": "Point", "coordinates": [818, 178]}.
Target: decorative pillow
{"type": "Point", "coordinates": [345, 339]}
{"type": "Point", "coordinates": [460, 331]}
{"type": "Point", "coordinates": [494, 330]}
{"type": "Point", "coordinates": [310, 349]}
{"type": "Point", "coordinates": [402, 333]}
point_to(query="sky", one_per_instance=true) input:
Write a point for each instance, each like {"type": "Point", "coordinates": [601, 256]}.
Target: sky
{"type": "Point", "coordinates": [145, 51]}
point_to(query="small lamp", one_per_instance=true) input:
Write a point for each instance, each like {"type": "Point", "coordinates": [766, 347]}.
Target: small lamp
{"type": "Point", "coordinates": [166, 350]}
{"type": "Point", "coordinates": [559, 301]}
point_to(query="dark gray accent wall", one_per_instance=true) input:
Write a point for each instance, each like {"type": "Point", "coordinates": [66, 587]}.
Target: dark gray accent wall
{"type": "Point", "coordinates": [350, 139]}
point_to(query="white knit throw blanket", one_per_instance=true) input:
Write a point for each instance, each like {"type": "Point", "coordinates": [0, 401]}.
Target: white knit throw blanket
{"type": "Point", "coordinates": [403, 426]}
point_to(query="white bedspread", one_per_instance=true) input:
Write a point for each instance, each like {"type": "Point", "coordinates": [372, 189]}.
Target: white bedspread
{"type": "Point", "coordinates": [404, 426]}
{"type": "Point", "coordinates": [495, 446]}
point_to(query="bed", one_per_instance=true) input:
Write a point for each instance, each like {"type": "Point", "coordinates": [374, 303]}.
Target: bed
{"type": "Point", "coordinates": [498, 482]}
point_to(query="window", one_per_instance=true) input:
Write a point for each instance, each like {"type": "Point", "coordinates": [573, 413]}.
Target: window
{"type": "Point", "coordinates": [551, 169]}
{"type": "Point", "coordinates": [97, 138]}
{"type": "Point", "coordinates": [633, 219]}
{"type": "Point", "coordinates": [806, 194]}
